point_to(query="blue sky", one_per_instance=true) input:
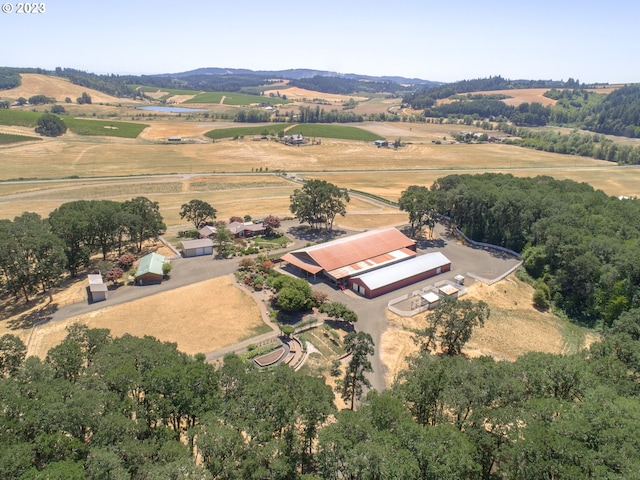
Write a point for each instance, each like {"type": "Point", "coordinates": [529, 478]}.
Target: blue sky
{"type": "Point", "coordinates": [442, 41]}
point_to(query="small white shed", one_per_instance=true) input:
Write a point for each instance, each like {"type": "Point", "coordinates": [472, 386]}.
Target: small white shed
{"type": "Point", "coordinates": [97, 288]}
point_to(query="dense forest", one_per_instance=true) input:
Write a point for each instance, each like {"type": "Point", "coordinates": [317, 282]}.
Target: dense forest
{"type": "Point", "coordinates": [575, 143]}
{"type": "Point", "coordinates": [100, 407]}
{"type": "Point", "coordinates": [346, 86]}
{"type": "Point", "coordinates": [579, 245]}
{"type": "Point", "coordinates": [617, 114]}
{"type": "Point", "coordinates": [9, 78]}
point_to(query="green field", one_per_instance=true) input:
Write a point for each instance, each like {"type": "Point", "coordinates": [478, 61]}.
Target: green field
{"type": "Point", "coordinates": [333, 131]}
{"type": "Point", "coordinates": [6, 138]}
{"type": "Point", "coordinates": [234, 98]}
{"type": "Point", "coordinates": [342, 132]}
{"type": "Point", "coordinates": [19, 118]}
{"type": "Point", "coordinates": [105, 128]}
{"type": "Point", "coordinates": [271, 129]}
{"type": "Point", "coordinates": [79, 126]}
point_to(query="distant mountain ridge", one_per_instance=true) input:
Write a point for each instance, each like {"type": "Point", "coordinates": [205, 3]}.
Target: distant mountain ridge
{"type": "Point", "coordinates": [297, 74]}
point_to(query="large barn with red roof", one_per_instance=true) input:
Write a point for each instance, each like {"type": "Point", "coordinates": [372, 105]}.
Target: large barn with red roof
{"type": "Point", "coordinates": [346, 258]}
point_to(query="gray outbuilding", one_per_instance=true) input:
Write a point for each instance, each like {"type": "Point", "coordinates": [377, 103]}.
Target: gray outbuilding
{"type": "Point", "coordinates": [197, 248]}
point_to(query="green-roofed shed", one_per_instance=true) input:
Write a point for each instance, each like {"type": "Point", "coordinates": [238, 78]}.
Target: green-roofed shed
{"type": "Point", "coordinates": [150, 269]}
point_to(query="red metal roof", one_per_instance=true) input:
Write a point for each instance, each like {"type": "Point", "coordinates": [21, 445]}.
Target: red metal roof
{"type": "Point", "coordinates": [348, 251]}
{"type": "Point", "coordinates": [305, 264]}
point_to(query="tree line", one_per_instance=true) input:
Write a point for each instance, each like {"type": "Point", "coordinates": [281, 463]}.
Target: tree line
{"type": "Point", "coordinates": [575, 143]}
{"type": "Point", "coordinates": [345, 86]}
{"type": "Point", "coordinates": [35, 252]}
{"type": "Point", "coordinates": [579, 245]}
{"type": "Point", "coordinates": [136, 408]}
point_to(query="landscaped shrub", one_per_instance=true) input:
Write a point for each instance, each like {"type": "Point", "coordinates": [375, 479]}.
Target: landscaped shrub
{"type": "Point", "coordinates": [247, 264]}
{"type": "Point", "coordinates": [318, 298]}
{"type": "Point", "coordinates": [126, 260]}
{"type": "Point", "coordinates": [166, 269]}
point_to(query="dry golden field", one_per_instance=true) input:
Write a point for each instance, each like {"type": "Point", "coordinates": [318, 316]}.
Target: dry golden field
{"type": "Point", "coordinates": [184, 171]}
{"type": "Point", "coordinates": [518, 96]}
{"type": "Point", "coordinates": [56, 87]}
{"type": "Point", "coordinates": [210, 322]}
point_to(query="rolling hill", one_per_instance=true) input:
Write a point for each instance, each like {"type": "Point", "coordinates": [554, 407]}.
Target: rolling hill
{"type": "Point", "coordinates": [56, 87]}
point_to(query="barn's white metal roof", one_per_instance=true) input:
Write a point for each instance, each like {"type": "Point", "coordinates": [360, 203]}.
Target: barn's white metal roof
{"type": "Point", "coordinates": [399, 271]}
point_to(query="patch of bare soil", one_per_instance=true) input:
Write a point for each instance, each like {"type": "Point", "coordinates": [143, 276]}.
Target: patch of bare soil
{"type": "Point", "coordinates": [163, 130]}
{"type": "Point", "coordinates": [514, 328]}
{"type": "Point", "coordinates": [200, 318]}
{"type": "Point", "coordinates": [298, 94]}
{"type": "Point", "coordinates": [179, 98]}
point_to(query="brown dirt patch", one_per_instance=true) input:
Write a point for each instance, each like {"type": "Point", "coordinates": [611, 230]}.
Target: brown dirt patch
{"type": "Point", "coordinates": [513, 329]}
{"type": "Point", "coordinates": [59, 88]}
{"type": "Point", "coordinates": [295, 93]}
{"type": "Point", "coordinates": [179, 98]}
{"type": "Point", "coordinates": [519, 96]}
{"type": "Point", "coordinates": [163, 130]}
{"type": "Point", "coordinates": [200, 318]}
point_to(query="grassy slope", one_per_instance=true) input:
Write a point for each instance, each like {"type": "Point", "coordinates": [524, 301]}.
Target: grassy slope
{"type": "Point", "coordinates": [246, 131]}
{"type": "Point", "coordinates": [234, 98]}
{"type": "Point", "coordinates": [6, 138]}
{"type": "Point", "coordinates": [333, 131]}
{"type": "Point", "coordinates": [342, 132]}
{"type": "Point", "coordinates": [80, 126]}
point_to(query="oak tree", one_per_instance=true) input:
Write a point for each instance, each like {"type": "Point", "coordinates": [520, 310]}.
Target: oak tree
{"type": "Point", "coordinates": [197, 212]}
{"type": "Point", "coordinates": [452, 323]}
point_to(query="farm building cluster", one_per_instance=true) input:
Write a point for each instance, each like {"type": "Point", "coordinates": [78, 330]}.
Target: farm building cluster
{"type": "Point", "coordinates": [371, 263]}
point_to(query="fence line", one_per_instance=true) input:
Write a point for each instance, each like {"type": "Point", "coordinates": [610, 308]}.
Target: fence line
{"type": "Point", "coordinates": [497, 279]}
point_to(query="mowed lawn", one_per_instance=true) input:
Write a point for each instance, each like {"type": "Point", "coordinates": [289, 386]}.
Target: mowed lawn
{"type": "Point", "coordinates": [200, 318]}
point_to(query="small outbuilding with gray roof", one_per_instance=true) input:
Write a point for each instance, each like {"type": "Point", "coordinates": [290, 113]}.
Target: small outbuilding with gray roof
{"type": "Point", "coordinates": [97, 288]}
{"type": "Point", "coordinates": [398, 275]}
{"type": "Point", "coordinates": [197, 248]}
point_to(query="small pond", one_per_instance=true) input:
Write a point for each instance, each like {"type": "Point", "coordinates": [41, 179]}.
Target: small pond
{"type": "Point", "coordinates": [158, 108]}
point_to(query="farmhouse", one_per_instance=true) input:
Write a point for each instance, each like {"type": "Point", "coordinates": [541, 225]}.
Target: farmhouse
{"type": "Point", "coordinates": [149, 270]}
{"type": "Point", "coordinates": [398, 275]}
{"type": "Point", "coordinates": [196, 248]}
{"type": "Point", "coordinates": [346, 257]}
{"type": "Point", "coordinates": [246, 229]}
{"type": "Point", "coordinates": [97, 288]}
